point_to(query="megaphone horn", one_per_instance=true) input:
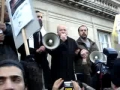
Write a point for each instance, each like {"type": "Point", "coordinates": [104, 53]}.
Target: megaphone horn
{"type": "Point", "coordinates": [96, 55]}
{"type": "Point", "coordinates": [51, 40]}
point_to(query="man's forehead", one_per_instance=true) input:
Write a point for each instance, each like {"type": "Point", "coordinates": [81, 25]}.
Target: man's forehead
{"type": "Point", "coordinates": [62, 27]}
{"type": "Point", "coordinates": [39, 13]}
{"type": "Point", "coordinates": [10, 71]}
{"type": "Point", "coordinates": [83, 27]}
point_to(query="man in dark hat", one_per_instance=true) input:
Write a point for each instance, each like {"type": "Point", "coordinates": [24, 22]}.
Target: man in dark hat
{"type": "Point", "coordinates": [12, 75]}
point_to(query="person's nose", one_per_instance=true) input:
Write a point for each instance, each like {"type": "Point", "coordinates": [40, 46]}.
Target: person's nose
{"type": "Point", "coordinates": [63, 31]}
{"type": "Point", "coordinates": [40, 18]}
{"type": "Point", "coordinates": [9, 85]}
{"type": "Point", "coordinates": [83, 31]}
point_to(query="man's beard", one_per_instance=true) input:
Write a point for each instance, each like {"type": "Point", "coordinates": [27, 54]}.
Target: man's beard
{"type": "Point", "coordinates": [84, 37]}
{"type": "Point", "coordinates": [40, 22]}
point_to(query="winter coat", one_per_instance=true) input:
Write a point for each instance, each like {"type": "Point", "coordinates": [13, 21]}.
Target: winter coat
{"type": "Point", "coordinates": [8, 49]}
{"type": "Point", "coordinates": [62, 60]}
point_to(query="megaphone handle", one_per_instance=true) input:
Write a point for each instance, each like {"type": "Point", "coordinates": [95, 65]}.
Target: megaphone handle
{"type": "Point", "coordinates": [76, 77]}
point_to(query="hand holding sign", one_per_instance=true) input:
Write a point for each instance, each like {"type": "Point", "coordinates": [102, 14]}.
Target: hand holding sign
{"type": "Point", "coordinates": [22, 26]}
{"type": "Point", "coordinates": [2, 27]}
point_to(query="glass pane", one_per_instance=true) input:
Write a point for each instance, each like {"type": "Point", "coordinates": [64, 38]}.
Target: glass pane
{"type": "Point", "coordinates": [105, 45]}
{"type": "Point", "coordinates": [104, 41]}
{"type": "Point", "coordinates": [101, 38]}
{"type": "Point", "coordinates": [100, 45]}
{"type": "Point", "coordinates": [108, 45]}
{"type": "Point", "coordinates": [106, 38]}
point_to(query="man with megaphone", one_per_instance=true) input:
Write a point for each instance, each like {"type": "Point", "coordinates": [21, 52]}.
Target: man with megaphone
{"type": "Point", "coordinates": [86, 45]}
{"type": "Point", "coordinates": [63, 56]}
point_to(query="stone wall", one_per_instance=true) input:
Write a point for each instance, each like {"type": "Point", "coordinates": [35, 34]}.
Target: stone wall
{"type": "Point", "coordinates": [56, 14]}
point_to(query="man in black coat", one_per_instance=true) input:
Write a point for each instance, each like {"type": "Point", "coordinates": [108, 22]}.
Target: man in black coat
{"type": "Point", "coordinates": [40, 54]}
{"type": "Point", "coordinates": [63, 57]}
{"type": "Point", "coordinates": [7, 46]}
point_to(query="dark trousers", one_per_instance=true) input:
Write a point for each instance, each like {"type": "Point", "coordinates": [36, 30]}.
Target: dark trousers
{"type": "Point", "coordinates": [86, 78]}
{"type": "Point", "coordinates": [44, 65]}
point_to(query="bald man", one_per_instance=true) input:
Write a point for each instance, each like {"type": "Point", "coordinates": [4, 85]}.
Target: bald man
{"type": "Point", "coordinates": [63, 56]}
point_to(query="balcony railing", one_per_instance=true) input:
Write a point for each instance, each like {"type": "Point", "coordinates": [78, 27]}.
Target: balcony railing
{"type": "Point", "coordinates": [109, 9]}
{"type": "Point", "coordinates": [108, 4]}
{"type": "Point", "coordinates": [105, 8]}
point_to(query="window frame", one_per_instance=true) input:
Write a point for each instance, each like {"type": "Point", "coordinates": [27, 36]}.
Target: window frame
{"type": "Point", "coordinates": [103, 33]}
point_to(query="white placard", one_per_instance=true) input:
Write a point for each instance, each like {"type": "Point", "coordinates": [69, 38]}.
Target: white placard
{"type": "Point", "coordinates": [21, 14]}
{"type": "Point", "coordinates": [25, 13]}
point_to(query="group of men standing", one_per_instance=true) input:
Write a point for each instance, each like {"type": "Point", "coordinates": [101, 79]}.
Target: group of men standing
{"type": "Point", "coordinates": [68, 58]}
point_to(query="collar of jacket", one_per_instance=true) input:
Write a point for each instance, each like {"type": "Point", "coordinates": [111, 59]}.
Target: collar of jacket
{"type": "Point", "coordinates": [79, 41]}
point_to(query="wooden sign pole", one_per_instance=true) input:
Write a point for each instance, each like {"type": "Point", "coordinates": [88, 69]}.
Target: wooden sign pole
{"type": "Point", "coordinates": [2, 10]}
{"type": "Point", "coordinates": [25, 42]}
{"type": "Point", "coordinates": [2, 15]}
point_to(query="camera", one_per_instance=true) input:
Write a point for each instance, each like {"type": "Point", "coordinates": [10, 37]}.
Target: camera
{"type": "Point", "coordinates": [103, 69]}
{"type": "Point", "coordinates": [111, 56]}
{"type": "Point", "coordinates": [68, 85]}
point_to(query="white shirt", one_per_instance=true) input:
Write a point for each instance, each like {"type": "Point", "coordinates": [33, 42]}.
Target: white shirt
{"type": "Point", "coordinates": [31, 39]}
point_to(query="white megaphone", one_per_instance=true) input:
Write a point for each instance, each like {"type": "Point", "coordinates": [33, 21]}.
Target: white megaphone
{"type": "Point", "coordinates": [51, 41]}
{"type": "Point", "coordinates": [96, 55]}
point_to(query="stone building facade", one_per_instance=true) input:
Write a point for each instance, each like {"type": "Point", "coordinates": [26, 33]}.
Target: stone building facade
{"type": "Point", "coordinates": [97, 15]}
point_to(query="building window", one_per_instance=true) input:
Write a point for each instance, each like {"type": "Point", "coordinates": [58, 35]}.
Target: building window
{"type": "Point", "coordinates": [104, 40]}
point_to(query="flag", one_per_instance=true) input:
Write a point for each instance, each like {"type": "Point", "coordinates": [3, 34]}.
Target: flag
{"type": "Point", "coordinates": [116, 28]}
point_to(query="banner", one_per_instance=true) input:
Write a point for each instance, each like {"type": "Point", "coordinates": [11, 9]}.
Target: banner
{"type": "Point", "coordinates": [21, 14]}
{"type": "Point", "coordinates": [116, 30]}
